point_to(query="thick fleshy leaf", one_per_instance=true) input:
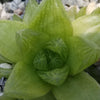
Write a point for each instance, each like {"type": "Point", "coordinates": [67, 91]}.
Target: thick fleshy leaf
{"type": "Point", "coordinates": [82, 24]}
{"type": "Point", "coordinates": [48, 96]}
{"type": "Point", "coordinates": [88, 27]}
{"type": "Point", "coordinates": [50, 18]}
{"type": "Point", "coordinates": [8, 46]}
{"type": "Point", "coordinates": [79, 87]}
{"type": "Point", "coordinates": [29, 11]}
{"type": "Point", "coordinates": [82, 53]}
{"type": "Point", "coordinates": [30, 43]}
{"type": "Point", "coordinates": [93, 34]}
{"type": "Point", "coordinates": [56, 76]}
{"type": "Point", "coordinates": [24, 83]}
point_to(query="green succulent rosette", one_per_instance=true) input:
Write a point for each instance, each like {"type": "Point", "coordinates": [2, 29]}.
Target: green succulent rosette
{"type": "Point", "coordinates": [49, 52]}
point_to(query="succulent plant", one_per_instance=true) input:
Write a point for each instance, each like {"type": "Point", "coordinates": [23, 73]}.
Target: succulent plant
{"type": "Point", "coordinates": [50, 53]}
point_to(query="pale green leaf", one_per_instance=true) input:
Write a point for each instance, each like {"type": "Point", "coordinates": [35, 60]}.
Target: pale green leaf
{"type": "Point", "coordinates": [29, 11]}
{"type": "Point", "coordinates": [82, 24]}
{"type": "Point", "coordinates": [24, 83]}
{"type": "Point", "coordinates": [93, 34]}
{"type": "Point", "coordinates": [50, 18]}
{"type": "Point", "coordinates": [31, 43]}
{"type": "Point", "coordinates": [88, 27]}
{"type": "Point", "coordinates": [79, 87]}
{"type": "Point", "coordinates": [82, 53]}
{"type": "Point", "coordinates": [8, 46]}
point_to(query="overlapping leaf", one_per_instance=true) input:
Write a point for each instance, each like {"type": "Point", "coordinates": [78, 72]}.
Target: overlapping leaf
{"type": "Point", "coordinates": [79, 87]}
{"type": "Point", "coordinates": [83, 24]}
{"type": "Point", "coordinates": [8, 46]}
{"type": "Point", "coordinates": [88, 27]}
{"type": "Point", "coordinates": [56, 76]}
{"type": "Point", "coordinates": [49, 22]}
{"type": "Point", "coordinates": [50, 18]}
{"type": "Point", "coordinates": [30, 43]}
{"type": "Point", "coordinates": [82, 54]}
{"type": "Point", "coordinates": [24, 83]}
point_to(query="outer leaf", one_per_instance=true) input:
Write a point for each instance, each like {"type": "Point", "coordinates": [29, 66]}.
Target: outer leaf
{"type": "Point", "coordinates": [82, 24]}
{"type": "Point", "coordinates": [8, 46]}
{"type": "Point", "coordinates": [82, 53]}
{"type": "Point", "coordinates": [29, 11]}
{"type": "Point", "coordinates": [48, 96]}
{"type": "Point", "coordinates": [50, 18]}
{"type": "Point", "coordinates": [79, 87]}
{"type": "Point", "coordinates": [88, 27]}
{"type": "Point", "coordinates": [24, 83]}
{"type": "Point", "coordinates": [93, 34]}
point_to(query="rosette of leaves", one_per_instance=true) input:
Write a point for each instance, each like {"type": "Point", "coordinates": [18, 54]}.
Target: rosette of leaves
{"type": "Point", "coordinates": [50, 53]}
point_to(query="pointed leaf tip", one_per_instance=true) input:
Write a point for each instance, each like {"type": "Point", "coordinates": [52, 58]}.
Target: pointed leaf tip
{"type": "Point", "coordinates": [50, 18]}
